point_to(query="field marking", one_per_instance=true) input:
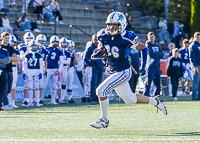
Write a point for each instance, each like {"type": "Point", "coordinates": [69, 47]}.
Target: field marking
{"type": "Point", "coordinates": [43, 140]}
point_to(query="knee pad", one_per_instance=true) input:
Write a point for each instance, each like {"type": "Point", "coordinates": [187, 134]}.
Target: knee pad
{"type": "Point", "coordinates": [63, 86]}
{"type": "Point", "coordinates": [100, 92]}
{"type": "Point", "coordinates": [69, 90]}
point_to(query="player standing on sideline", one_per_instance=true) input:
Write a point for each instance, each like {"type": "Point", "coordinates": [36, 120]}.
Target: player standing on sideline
{"type": "Point", "coordinates": [70, 77]}
{"type": "Point", "coordinates": [41, 40]}
{"type": "Point", "coordinates": [23, 47]}
{"type": "Point", "coordinates": [195, 59]}
{"type": "Point", "coordinates": [66, 61]}
{"type": "Point", "coordinates": [53, 66]}
{"type": "Point", "coordinates": [118, 43]}
{"type": "Point", "coordinates": [88, 73]}
{"type": "Point", "coordinates": [4, 60]}
{"type": "Point", "coordinates": [184, 55]}
{"type": "Point", "coordinates": [33, 67]}
{"type": "Point", "coordinates": [11, 96]}
{"type": "Point", "coordinates": [14, 60]}
{"type": "Point", "coordinates": [153, 64]}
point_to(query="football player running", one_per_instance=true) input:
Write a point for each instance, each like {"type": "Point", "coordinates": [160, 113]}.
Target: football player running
{"type": "Point", "coordinates": [33, 67]}
{"type": "Point", "coordinates": [12, 42]}
{"type": "Point", "coordinates": [118, 43]}
{"type": "Point", "coordinates": [66, 61]}
{"type": "Point", "coordinates": [41, 40]}
{"type": "Point", "coordinates": [70, 77]}
{"type": "Point", "coordinates": [53, 66]}
{"type": "Point", "coordinates": [23, 47]}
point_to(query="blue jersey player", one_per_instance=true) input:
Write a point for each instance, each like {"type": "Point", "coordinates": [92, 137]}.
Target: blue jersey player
{"type": "Point", "coordinates": [187, 69]}
{"type": "Point", "coordinates": [118, 43]}
{"type": "Point", "coordinates": [53, 66]}
{"type": "Point", "coordinates": [33, 69]}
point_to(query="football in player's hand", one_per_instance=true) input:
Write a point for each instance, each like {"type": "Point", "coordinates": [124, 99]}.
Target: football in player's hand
{"type": "Point", "coordinates": [104, 50]}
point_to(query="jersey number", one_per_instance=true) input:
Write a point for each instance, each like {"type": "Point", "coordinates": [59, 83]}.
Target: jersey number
{"type": "Point", "coordinates": [186, 56]}
{"type": "Point", "coordinates": [32, 62]}
{"type": "Point", "coordinates": [53, 56]}
{"type": "Point", "coordinates": [155, 49]}
{"type": "Point", "coordinates": [112, 51]}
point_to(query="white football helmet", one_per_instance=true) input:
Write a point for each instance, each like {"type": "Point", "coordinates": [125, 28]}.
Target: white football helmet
{"type": "Point", "coordinates": [41, 37]}
{"type": "Point", "coordinates": [63, 40]}
{"type": "Point", "coordinates": [71, 43]}
{"type": "Point", "coordinates": [54, 38]}
{"type": "Point", "coordinates": [32, 43]}
{"type": "Point", "coordinates": [116, 18]}
{"type": "Point", "coordinates": [12, 39]}
{"type": "Point", "coordinates": [28, 36]}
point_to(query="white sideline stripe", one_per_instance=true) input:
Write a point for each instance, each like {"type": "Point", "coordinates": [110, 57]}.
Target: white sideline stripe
{"type": "Point", "coordinates": [32, 140]}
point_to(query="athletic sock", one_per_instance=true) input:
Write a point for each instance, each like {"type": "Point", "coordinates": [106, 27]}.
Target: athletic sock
{"type": "Point", "coordinates": [37, 96]}
{"type": "Point", "coordinates": [63, 93]}
{"type": "Point", "coordinates": [30, 94]}
{"type": "Point", "coordinates": [183, 89]}
{"type": "Point", "coordinates": [152, 101]}
{"type": "Point", "coordinates": [9, 98]}
{"type": "Point", "coordinates": [53, 95]}
{"type": "Point", "coordinates": [104, 108]}
{"type": "Point", "coordinates": [13, 102]}
{"type": "Point", "coordinates": [69, 97]}
{"type": "Point", "coordinates": [26, 99]}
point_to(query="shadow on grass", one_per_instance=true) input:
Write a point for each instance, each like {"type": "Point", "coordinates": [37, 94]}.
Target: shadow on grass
{"type": "Point", "coordinates": [184, 134]}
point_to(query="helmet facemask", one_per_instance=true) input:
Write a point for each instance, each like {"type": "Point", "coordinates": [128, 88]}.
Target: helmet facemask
{"type": "Point", "coordinates": [64, 45]}
{"type": "Point", "coordinates": [28, 39]}
{"type": "Point", "coordinates": [112, 29]}
{"type": "Point", "coordinates": [55, 44]}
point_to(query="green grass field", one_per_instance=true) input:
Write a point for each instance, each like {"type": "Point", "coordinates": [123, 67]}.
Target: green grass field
{"type": "Point", "coordinates": [128, 123]}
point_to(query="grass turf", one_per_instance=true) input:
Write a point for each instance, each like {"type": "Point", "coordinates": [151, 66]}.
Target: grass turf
{"type": "Point", "coordinates": [128, 123]}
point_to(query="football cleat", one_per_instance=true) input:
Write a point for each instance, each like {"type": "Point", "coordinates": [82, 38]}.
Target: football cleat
{"type": "Point", "coordinates": [52, 103]}
{"type": "Point", "coordinates": [42, 103]}
{"type": "Point", "coordinates": [71, 101]}
{"type": "Point", "coordinates": [62, 102]}
{"type": "Point", "coordinates": [102, 123]}
{"type": "Point", "coordinates": [7, 107]}
{"type": "Point", "coordinates": [13, 106]}
{"type": "Point", "coordinates": [24, 103]}
{"type": "Point", "coordinates": [160, 105]}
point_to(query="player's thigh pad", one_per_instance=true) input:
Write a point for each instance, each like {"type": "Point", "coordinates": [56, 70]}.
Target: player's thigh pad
{"type": "Point", "coordinates": [113, 81]}
{"type": "Point", "coordinates": [70, 78]}
{"type": "Point", "coordinates": [190, 72]}
{"type": "Point", "coordinates": [36, 82]}
{"type": "Point", "coordinates": [124, 91]}
{"type": "Point", "coordinates": [64, 75]}
{"type": "Point", "coordinates": [54, 82]}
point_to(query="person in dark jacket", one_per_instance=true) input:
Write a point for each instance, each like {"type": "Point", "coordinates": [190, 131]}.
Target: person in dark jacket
{"type": "Point", "coordinates": [97, 69]}
{"type": "Point", "coordinates": [195, 59]}
{"type": "Point", "coordinates": [153, 71]}
{"type": "Point", "coordinates": [175, 71]}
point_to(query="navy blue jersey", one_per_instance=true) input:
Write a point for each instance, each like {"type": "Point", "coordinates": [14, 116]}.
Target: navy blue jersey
{"type": "Point", "coordinates": [33, 62]}
{"type": "Point", "coordinates": [3, 55]}
{"type": "Point", "coordinates": [53, 57]}
{"type": "Point", "coordinates": [66, 54]}
{"type": "Point", "coordinates": [168, 54]}
{"type": "Point", "coordinates": [72, 58]}
{"type": "Point", "coordinates": [195, 53]}
{"type": "Point", "coordinates": [184, 55]}
{"type": "Point", "coordinates": [43, 53]}
{"type": "Point", "coordinates": [118, 49]}
{"type": "Point", "coordinates": [23, 47]}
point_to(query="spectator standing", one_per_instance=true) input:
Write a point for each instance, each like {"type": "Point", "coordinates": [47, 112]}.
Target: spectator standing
{"type": "Point", "coordinates": [9, 73]}
{"type": "Point", "coordinates": [174, 72]}
{"type": "Point", "coordinates": [38, 5]}
{"type": "Point", "coordinates": [195, 58]}
{"type": "Point", "coordinates": [97, 69]}
{"type": "Point", "coordinates": [4, 60]}
{"type": "Point", "coordinates": [163, 24]}
{"type": "Point", "coordinates": [153, 64]}
{"type": "Point", "coordinates": [55, 8]}
{"type": "Point", "coordinates": [25, 6]}
{"type": "Point", "coordinates": [6, 24]}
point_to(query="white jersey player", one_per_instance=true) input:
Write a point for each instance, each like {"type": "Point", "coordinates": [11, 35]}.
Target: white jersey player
{"type": "Point", "coordinates": [23, 47]}
{"type": "Point", "coordinates": [33, 69]}
{"type": "Point", "coordinates": [70, 77]}
{"type": "Point", "coordinates": [41, 40]}
{"type": "Point", "coordinates": [53, 66]}
{"type": "Point", "coordinates": [66, 61]}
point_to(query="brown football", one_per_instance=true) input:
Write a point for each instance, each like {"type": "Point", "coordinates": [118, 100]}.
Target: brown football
{"type": "Point", "coordinates": [105, 52]}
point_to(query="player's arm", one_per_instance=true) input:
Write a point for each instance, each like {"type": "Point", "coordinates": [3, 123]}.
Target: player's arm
{"type": "Point", "coordinates": [45, 67]}
{"type": "Point", "coordinates": [140, 46]}
{"type": "Point", "coordinates": [100, 52]}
